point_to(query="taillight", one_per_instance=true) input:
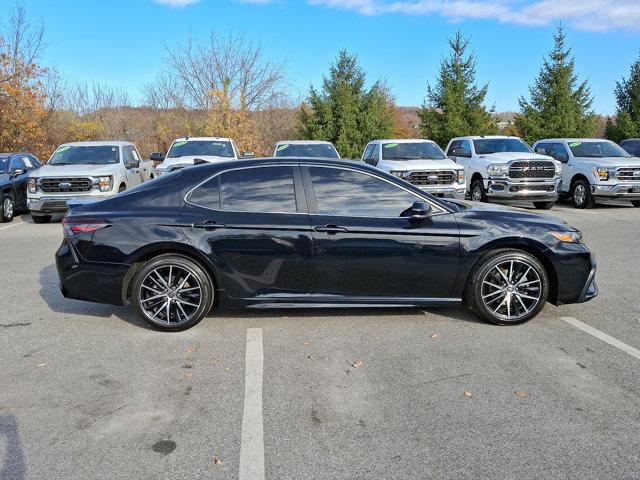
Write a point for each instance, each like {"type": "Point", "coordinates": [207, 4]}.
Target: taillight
{"type": "Point", "coordinates": [73, 227]}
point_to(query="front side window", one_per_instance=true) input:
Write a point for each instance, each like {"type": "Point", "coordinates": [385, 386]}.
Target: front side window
{"type": "Point", "coordinates": [487, 146]}
{"type": "Point", "coordinates": [193, 148]}
{"type": "Point", "coordinates": [367, 152]}
{"type": "Point", "coordinates": [260, 190]}
{"type": "Point", "coordinates": [412, 151]}
{"type": "Point", "coordinates": [85, 155]}
{"type": "Point", "coordinates": [18, 163]}
{"type": "Point", "coordinates": [455, 144]}
{"type": "Point", "coordinates": [597, 149]}
{"type": "Point", "coordinates": [314, 150]}
{"type": "Point", "coordinates": [348, 193]}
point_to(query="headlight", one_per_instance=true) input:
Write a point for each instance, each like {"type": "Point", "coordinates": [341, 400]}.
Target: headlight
{"type": "Point", "coordinates": [105, 184]}
{"type": "Point", "coordinates": [558, 169]}
{"type": "Point", "coordinates": [401, 173]}
{"type": "Point", "coordinates": [498, 170]}
{"type": "Point", "coordinates": [33, 185]}
{"type": "Point", "coordinates": [567, 237]}
{"type": "Point", "coordinates": [460, 177]}
{"type": "Point", "coordinates": [601, 173]}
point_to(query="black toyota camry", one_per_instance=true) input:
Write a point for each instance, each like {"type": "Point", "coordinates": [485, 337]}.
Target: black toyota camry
{"type": "Point", "coordinates": [275, 233]}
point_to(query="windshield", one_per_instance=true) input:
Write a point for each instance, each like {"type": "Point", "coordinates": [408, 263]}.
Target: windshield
{"type": "Point", "coordinates": [85, 155]}
{"type": "Point", "coordinates": [193, 148]}
{"type": "Point", "coordinates": [487, 146]}
{"type": "Point", "coordinates": [314, 150]}
{"type": "Point", "coordinates": [412, 151]}
{"type": "Point", "coordinates": [597, 149]}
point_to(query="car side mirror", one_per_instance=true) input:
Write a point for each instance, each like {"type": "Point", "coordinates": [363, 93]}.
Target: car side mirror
{"type": "Point", "coordinates": [18, 171]}
{"type": "Point", "coordinates": [248, 155]}
{"type": "Point", "coordinates": [156, 157]}
{"type": "Point", "coordinates": [458, 152]}
{"type": "Point", "coordinates": [133, 164]}
{"type": "Point", "coordinates": [562, 158]}
{"type": "Point", "coordinates": [420, 211]}
{"type": "Point", "coordinates": [541, 151]}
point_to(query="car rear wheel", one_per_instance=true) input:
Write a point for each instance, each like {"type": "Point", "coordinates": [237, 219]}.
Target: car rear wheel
{"type": "Point", "coordinates": [635, 203]}
{"type": "Point", "coordinates": [544, 205]}
{"type": "Point", "coordinates": [507, 287]}
{"type": "Point", "coordinates": [6, 208]}
{"type": "Point", "coordinates": [41, 218]}
{"type": "Point", "coordinates": [581, 194]}
{"type": "Point", "coordinates": [172, 293]}
{"type": "Point", "coordinates": [477, 191]}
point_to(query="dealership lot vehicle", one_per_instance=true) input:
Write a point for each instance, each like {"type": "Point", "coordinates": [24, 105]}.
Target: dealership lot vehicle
{"type": "Point", "coordinates": [505, 168]}
{"type": "Point", "coordinates": [89, 171]}
{"type": "Point", "coordinates": [305, 149]}
{"type": "Point", "coordinates": [14, 170]}
{"type": "Point", "coordinates": [272, 233]}
{"type": "Point", "coordinates": [185, 151]}
{"type": "Point", "coordinates": [419, 162]}
{"type": "Point", "coordinates": [594, 169]}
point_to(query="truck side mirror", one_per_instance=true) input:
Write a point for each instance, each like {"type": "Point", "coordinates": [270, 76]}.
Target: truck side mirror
{"type": "Point", "coordinates": [541, 151]}
{"type": "Point", "coordinates": [156, 157]}
{"type": "Point", "coordinates": [17, 172]}
{"type": "Point", "coordinates": [248, 155]}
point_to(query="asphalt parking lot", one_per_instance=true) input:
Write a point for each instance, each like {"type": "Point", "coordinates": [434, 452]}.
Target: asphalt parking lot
{"type": "Point", "coordinates": [88, 392]}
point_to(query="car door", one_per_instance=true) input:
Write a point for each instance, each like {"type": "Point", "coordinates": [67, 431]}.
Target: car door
{"type": "Point", "coordinates": [253, 224]}
{"type": "Point", "coordinates": [132, 166]}
{"type": "Point", "coordinates": [559, 152]}
{"type": "Point", "coordinates": [366, 246]}
{"type": "Point", "coordinates": [19, 181]}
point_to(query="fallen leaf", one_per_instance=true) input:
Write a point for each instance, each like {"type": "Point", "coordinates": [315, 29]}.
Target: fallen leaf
{"type": "Point", "coordinates": [191, 349]}
{"type": "Point", "coordinates": [217, 461]}
{"type": "Point", "coordinates": [188, 375]}
{"type": "Point", "coordinates": [357, 364]}
{"type": "Point", "coordinates": [468, 393]}
{"type": "Point", "coordinates": [227, 369]}
{"type": "Point", "coordinates": [435, 335]}
{"type": "Point", "coordinates": [307, 343]}
{"type": "Point", "coordinates": [521, 394]}
{"type": "Point", "coordinates": [41, 364]}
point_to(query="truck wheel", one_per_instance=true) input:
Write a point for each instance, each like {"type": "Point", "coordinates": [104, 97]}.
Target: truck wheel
{"type": "Point", "coordinates": [635, 203]}
{"type": "Point", "coordinates": [544, 205]}
{"type": "Point", "coordinates": [6, 208]}
{"type": "Point", "coordinates": [581, 194]}
{"type": "Point", "coordinates": [477, 191]}
{"type": "Point", "coordinates": [41, 218]}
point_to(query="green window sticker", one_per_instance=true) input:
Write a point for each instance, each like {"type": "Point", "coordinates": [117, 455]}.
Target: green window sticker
{"type": "Point", "coordinates": [62, 149]}
{"type": "Point", "coordinates": [284, 146]}
{"type": "Point", "coordinates": [180, 143]}
{"type": "Point", "coordinates": [575, 144]}
{"type": "Point", "coordinates": [390, 145]}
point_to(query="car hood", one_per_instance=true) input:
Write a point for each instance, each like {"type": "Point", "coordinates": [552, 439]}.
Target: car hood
{"type": "Point", "coordinates": [612, 161]}
{"type": "Point", "coordinates": [75, 170]}
{"type": "Point", "coordinates": [189, 159]}
{"type": "Point", "coordinates": [509, 156]}
{"type": "Point", "coordinates": [419, 165]}
{"type": "Point", "coordinates": [508, 215]}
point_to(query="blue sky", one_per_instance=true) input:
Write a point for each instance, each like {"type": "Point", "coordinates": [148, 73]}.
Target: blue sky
{"type": "Point", "coordinates": [122, 41]}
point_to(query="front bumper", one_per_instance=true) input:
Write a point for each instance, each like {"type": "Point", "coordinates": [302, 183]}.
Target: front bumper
{"type": "Point", "coordinates": [507, 189]}
{"type": "Point", "coordinates": [449, 191]}
{"type": "Point", "coordinates": [590, 289]}
{"type": "Point", "coordinates": [619, 190]}
{"type": "Point", "coordinates": [47, 205]}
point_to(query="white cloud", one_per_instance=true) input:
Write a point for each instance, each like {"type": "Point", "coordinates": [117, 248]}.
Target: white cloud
{"type": "Point", "coordinates": [176, 3]}
{"type": "Point", "coordinates": [583, 14]}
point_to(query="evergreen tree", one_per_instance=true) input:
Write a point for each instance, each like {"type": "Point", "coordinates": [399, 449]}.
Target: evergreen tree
{"type": "Point", "coordinates": [627, 93]}
{"type": "Point", "coordinates": [455, 106]}
{"type": "Point", "coordinates": [344, 111]}
{"type": "Point", "coordinates": [559, 106]}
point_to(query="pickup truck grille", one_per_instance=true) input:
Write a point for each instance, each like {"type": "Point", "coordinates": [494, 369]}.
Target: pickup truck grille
{"type": "Point", "coordinates": [628, 173]}
{"type": "Point", "coordinates": [443, 177]}
{"type": "Point", "coordinates": [532, 169]}
{"type": "Point", "coordinates": [67, 185]}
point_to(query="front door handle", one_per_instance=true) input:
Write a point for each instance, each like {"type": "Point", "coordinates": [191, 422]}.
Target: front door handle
{"type": "Point", "coordinates": [330, 229]}
{"type": "Point", "coordinates": [208, 225]}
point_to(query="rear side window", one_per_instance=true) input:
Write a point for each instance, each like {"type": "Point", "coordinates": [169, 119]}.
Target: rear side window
{"type": "Point", "coordinates": [631, 147]}
{"type": "Point", "coordinates": [207, 195]}
{"type": "Point", "coordinates": [260, 189]}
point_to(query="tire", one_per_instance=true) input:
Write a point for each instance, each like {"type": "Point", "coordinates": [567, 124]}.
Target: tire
{"type": "Point", "coordinates": [7, 208]}
{"type": "Point", "coordinates": [483, 297]}
{"type": "Point", "coordinates": [185, 309]}
{"type": "Point", "coordinates": [635, 203]}
{"type": "Point", "coordinates": [581, 194]}
{"type": "Point", "coordinates": [122, 188]}
{"type": "Point", "coordinates": [41, 218]}
{"type": "Point", "coordinates": [544, 205]}
{"type": "Point", "coordinates": [477, 191]}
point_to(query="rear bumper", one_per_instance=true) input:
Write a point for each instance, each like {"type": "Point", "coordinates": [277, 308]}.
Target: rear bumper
{"type": "Point", "coordinates": [506, 189]}
{"type": "Point", "coordinates": [621, 190]}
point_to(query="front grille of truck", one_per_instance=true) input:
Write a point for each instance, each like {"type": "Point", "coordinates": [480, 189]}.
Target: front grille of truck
{"type": "Point", "coordinates": [444, 177]}
{"type": "Point", "coordinates": [532, 169]}
{"type": "Point", "coordinates": [66, 185]}
{"type": "Point", "coordinates": [628, 173]}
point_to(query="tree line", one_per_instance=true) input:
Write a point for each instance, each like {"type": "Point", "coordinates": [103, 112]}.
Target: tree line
{"type": "Point", "coordinates": [224, 85]}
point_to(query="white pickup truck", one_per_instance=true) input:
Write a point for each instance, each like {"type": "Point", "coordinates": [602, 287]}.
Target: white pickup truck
{"type": "Point", "coordinates": [594, 169]}
{"type": "Point", "coordinates": [85, 170]}
{"type": "Point", "coordinates": [505, 168]}
{"type": "Point", "coordinates": [185, 151]}
{"type": "Point", "coordinates": [419, 162]}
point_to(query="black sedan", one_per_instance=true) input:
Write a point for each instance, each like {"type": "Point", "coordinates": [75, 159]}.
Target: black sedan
{"type": "Point", "coordinates": [14, 171]}
{"type": "Point", "coordinates": [275, 233]}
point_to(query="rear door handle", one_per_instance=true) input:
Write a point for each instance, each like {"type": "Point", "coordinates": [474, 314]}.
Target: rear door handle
{"type": "Point", "coordinates": [208, 225]}
{"type": "Point", "coordinates": [330, 229]}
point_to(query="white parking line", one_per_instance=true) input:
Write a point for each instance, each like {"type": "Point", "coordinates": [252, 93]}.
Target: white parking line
{"type": "Point", "coordinates": [634, 352]}
{"type": "Point", "coordinates": [17, 224]}
{"type": "Point", "coordinates": [252, 443]}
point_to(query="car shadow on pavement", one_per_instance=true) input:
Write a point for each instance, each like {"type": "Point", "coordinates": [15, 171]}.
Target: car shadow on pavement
{"type": "Point", "coordinates": [13, 467]}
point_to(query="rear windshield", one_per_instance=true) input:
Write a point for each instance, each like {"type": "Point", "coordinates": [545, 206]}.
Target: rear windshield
{"type": "Point", "coordinates": [85, 155]}
{"type": "Point", "coordinates": [191, 148]}
{"type": "Point", "coordinates": [317, 150]}
{"type": "Point", "coordinates": [487, 146]}
{"type": "Point", "coordinates": [412, 151]}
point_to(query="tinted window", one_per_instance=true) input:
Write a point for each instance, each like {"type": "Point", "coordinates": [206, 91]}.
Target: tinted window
{"type": "Point", "coordinates": [367, 152]}
{"type": "Point", "coordinates": [557, 151]}
{"type": "Point", "coordinates": [83, 155]}
{"type": "Point", "coordinates": [631, 147]}
{"type": "Point", "coordinates": [264, 189]}
{"type": "Point", "coordinates": [212, 148]}
{"type": "Point", "coordinates": [207, 195]}
{"type": "Point", "coordinates": [355, 194]}
{"type": "Point", "coordinates": [318, 150]}
{"type": "Point", "coordinates": [18, 162]}
{"type": "Point", "coordinates": [487, 146]}
{"type": "Point", "coordinates": [127, 154]}
{"type": "Point", "coordinates": [465, 146]}
{"type": "Point", "coordinates": [595, 149]}
{"type": "Point", "coordinates": [412, 151]}
{"type": "Point", "coordinates": [455, 144]}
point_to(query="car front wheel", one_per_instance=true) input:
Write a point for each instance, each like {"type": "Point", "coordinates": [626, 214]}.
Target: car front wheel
{"type": "Point", "coordinates": [6, 208]}
{"type": "Point", "coordinates": [581, 195]}
{"type": "Point", "coordinates": [635, 203]}
{"type": "Point", "coordinates": [172, 293]}
{"type": "Point", "coordinates": [507, 287]}
{"type": "Point", "coordinates": [477, 191]}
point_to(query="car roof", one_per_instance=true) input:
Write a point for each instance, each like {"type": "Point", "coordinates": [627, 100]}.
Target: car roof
{"type": "Point", "coordinates": [212, 139]}
{"type": "Point", "coordinates": [568, 140]}
{"type": "Point", "coordinates": [104, 143]}
{"type": "Point", "coordinates": [303, 142]}
{"type": "Point", "coordinates": [483, 137]}
{"type": "Point", "coordinates": [403, 140]}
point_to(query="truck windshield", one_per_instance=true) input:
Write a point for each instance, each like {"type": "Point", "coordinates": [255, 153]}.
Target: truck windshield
{"type": "Point", "coordinates": [597, 149]}
{"type": "Point", "coordinates": [205, 148]}
{"type": "Point", "coordinates": [85, 155]}
{"type": "Point", "coordinates": [487, 146]}
{"type": "Point", "coordinates": [412, 151]}
{"type": "Point", "coordinates": [312, 150]}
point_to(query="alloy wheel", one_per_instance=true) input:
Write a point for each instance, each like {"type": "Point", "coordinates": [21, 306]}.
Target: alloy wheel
{"type": "Point", "coordinates": [170, 295]}
{"type": "Point", "coordinates": [476, 194]}
{"type": "Point", "coordinates": [579, 194]}
{"type": "Point", "coordinates": [7, 208]}
{"type": "Point", "coordinates": [511, 289]}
